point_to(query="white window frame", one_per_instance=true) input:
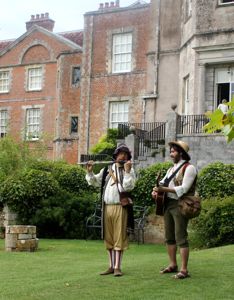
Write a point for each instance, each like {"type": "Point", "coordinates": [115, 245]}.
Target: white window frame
{"type": "Point", "coordinates": [226, 3]}
{"type": "Point", "coordinates": [33, 124]}
{"type": "Point", "coordinates": [3, 122]}
{"type": "Point", "coordinates": [122, 52]}
{"type": "Point", "coordinates": [118, 113]}
{"type": "Point", "coordinates": [35, 76]}
{"type": "Point", "coordinates": [4, 81]}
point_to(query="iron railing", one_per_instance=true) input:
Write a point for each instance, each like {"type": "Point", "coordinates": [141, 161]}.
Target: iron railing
{"type": "Point", "coordinates": [189, 124]}
{"type": "Point", "coordinates": [149, 134]}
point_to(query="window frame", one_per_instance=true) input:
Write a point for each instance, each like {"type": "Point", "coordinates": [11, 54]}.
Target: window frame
{"type": "Point", "coordinates": [6, 119]}
{"type": "Point", "coordinates": [8, 81]}
{"type": "Point", "coordinates": [28, 136]}
{"type": "Point", "coordinates": [74, 132]}
{"type": "Point", "coordinates": [111, 122]}
{"type": "Point", "coordinates": [220, 3]}
{"type": "Point", "coordinates": [29, 78]}
{"type": "Point", "coordinates": [121, 54]}
{"type": "Point", "coordinates": [73, 75]}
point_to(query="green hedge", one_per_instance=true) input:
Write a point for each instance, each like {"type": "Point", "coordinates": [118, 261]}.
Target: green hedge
{"type": "Point", "coordinates": [215, 225]}
{"type": "Point", "coordinates": [146, 181]}
{"type": "Point", "coordinates": [216, 180]}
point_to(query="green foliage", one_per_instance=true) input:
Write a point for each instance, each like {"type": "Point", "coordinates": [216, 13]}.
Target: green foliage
{"type": "Point", "coordinates": [223, 122]}
{"type": "Point", "coordinates": [17, 156]}
{"type": "Point", "coordinates": [107, 143]}
{"type": "Point", "coordinates": [216, 180]}
{"type": "Point", "coordinates": [146, 181]}
{"type": "Point", "coordinates": [63, 215]}
{"type": "Point", "coordinates": [215, 225]}
{"type": "Point", "coordinates": [23, 193]}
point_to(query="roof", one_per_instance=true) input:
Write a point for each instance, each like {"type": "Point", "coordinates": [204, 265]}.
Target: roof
{"type": "Point", "coordinates": [5, 43]}
{"type": "Point", "coordinates": [75, 36]}
{"type": "Point", "coordinates": [72, 38]}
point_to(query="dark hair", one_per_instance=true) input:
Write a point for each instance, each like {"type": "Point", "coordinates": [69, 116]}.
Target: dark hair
{"type": "Point", "coordinates": [180, 150]}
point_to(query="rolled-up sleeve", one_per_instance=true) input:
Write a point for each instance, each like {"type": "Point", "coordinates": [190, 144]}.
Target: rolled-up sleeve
{"type": "Point", "coordinates": [129, 180]}
{"type": "Point", "coordinates": [188, 179]}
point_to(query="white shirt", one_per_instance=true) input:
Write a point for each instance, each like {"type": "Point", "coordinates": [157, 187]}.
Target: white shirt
{"type": "Point", "coordinates": [111, 194]}
{"type": "Point", "coordinates": [188, 179]}
{"type": "Point", "coordinates": [223, 108]}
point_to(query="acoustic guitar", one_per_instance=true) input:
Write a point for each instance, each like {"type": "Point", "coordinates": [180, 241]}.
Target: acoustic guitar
{"type": "Point", "coordinates": [161, 196]}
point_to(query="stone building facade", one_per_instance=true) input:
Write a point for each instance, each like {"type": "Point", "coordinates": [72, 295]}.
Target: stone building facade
{"type": "Point", "coordinates": [195, 56]}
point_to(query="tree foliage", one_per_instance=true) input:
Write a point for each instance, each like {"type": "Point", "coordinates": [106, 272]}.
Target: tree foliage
{"type": "Point", "coordinates": [107, 143]}
{"type": "Point", "coordinates": [222, 122]}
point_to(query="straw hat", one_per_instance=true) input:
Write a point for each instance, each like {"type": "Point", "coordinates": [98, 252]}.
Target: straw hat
{"type": "Point", "coordinates": [183, 146]}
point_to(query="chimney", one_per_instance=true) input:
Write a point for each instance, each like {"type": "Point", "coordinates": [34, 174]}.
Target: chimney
{"type": "Point", "coordinates": [101, 5]}
{"type": "Point", "coordinates": [117, 3]}
{"type": "Point", "coordinates": [42, 20]}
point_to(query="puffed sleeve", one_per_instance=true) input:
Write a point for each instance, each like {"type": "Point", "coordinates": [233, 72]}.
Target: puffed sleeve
{"type": "Point", "coordinates": [129, 180]}
{"type": "Point", "coordinates": [94, 179]}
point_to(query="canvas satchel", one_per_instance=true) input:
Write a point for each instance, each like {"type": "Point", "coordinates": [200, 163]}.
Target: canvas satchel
{"type": "Point", "coordinates": [190, 206]}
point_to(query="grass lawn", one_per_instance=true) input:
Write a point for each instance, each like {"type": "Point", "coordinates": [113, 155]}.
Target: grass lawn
{"type": "Point", "coordinates": [69, 269]}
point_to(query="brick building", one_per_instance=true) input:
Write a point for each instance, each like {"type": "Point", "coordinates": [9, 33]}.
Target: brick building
{"type": "Point", "coordinates": [132, 64]}
{"type": "Point", "coordinates": [114, 68]}
{"type": "Point", "coordinates": [40, 87]}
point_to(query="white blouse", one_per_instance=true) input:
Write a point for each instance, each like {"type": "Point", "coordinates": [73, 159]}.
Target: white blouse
{"type": "Point", "coordinates": [111, 194]}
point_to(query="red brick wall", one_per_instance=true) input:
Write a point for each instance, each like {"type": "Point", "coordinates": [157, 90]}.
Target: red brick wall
{"type": "Point", "coordinates": [58, 99]}
{"type": "Point", "coordinates": [96, 66]}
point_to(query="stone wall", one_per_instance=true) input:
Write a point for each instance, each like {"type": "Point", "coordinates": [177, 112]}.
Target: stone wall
{"type": "Point", "coordinates": [21, 238]}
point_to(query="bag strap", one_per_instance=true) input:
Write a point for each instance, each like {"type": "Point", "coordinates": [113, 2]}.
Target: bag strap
{"type": "Point", "coordinates": [105, 172]}
{"type": "Point", "coordinates": [168, 180]}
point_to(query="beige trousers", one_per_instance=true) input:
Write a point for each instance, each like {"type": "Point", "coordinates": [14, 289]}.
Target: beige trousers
{"type": "Point", "coordinates": [115, 227]}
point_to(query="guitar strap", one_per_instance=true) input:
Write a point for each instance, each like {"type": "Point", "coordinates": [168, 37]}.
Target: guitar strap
{"type": "Point", "coordinates": [168, 180]}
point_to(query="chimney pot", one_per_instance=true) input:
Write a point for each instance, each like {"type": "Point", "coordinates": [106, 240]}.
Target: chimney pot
{"type": "Point", "coordinates": [117, 3]}
{"type": "Point", "coordinates": [106, 4]}
{"type": "Point", "coordinates": [32, 17]}
{"type": "Point", "coordinates": [37, 16]}
{"type": "Point", "coordinates": [42, 20]}
{"type": "Point", "coordinates": [46, 15]}
{"type": "Point", "coordinates": [112, 4]}
{"type": "Point", "coordinates": [42, 16]}
{"type": "Point", "coordinates": [101, 6]}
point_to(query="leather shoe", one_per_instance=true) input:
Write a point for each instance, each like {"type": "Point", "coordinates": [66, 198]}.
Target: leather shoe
{"type": "Point", "coordinates": [108, 271]}
{"type": "Point", "coordinates": [117, 272]}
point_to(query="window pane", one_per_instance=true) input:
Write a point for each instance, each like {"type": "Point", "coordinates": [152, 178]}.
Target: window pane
{"type": "Point", "coordinates": [118, 113]}
{"type": "Point", "coordinates": [122, 52]}
{"type": "Point", "coordinates": [3, 122]}
{"type": "Point", "coordinates": [4, 81]}
{"type": "Point", "coordinates": [76, 74]}
{"type": "Point", "coordinates": [35, 78]}
{"type": "Point", "coordinates": [33, 123]}
{"type": "Point", "coordinates": [74, 124]}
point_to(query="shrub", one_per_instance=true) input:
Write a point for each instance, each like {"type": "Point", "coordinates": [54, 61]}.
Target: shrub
{"type": "Point", "coordinates": [107, 143]}
{"type": "Point", "coordinates": [146, 181]}
{"type": "Point", "coordinates": [63, 215]}
{"type": "Point", "coordinates": [216, 180]}
{"type": "Point", "coordinates": [23, 193]}
{"type": "Point", "coordinates": [215, 225]}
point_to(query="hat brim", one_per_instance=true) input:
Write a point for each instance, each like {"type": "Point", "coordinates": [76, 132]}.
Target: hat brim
{"type": "Point", "coordinates": [178, 145]}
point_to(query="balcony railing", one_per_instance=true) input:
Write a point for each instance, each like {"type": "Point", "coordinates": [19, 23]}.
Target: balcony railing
{"type": "Point", "coordinates": [189, 124]}
{"type": "Point", "coordinates": [149, 134]}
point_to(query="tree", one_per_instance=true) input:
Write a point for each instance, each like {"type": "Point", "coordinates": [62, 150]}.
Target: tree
{"type": "Point", "coordinates": [222, 122]}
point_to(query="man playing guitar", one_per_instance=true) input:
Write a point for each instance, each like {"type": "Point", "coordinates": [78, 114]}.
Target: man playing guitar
{"type": "Point", "coordinates": [177, 184]}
